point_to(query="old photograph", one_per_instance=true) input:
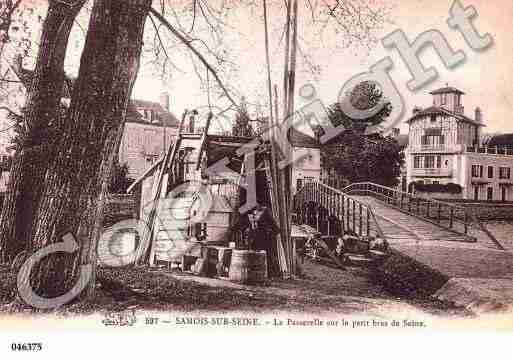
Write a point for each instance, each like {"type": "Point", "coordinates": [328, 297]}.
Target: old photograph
{"type": "Point", "coordinates": [295, 165]}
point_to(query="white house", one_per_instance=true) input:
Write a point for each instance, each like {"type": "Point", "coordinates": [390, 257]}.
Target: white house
{"type": "Point", "coordinates": [446, 146]}
{"type": "Point", "coordinates": [306, 154]}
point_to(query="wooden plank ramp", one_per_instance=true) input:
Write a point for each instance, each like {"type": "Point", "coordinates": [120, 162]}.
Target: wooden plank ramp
{"type": "Point", "coordinates": [400, 227]}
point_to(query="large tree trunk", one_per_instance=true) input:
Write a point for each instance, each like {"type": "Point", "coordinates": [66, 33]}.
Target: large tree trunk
{"type": "Point", "coordinates": [42, 119]}
{"type": "Point", "coordinates": [76, 181]}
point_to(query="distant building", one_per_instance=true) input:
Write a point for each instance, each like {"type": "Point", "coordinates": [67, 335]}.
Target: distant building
{"type": "Point", "coordinates": [149, 129]}
{"type": "Point", "coordinates": [446, 146]}
{"type": "Point", "coordinates": [306, 154]}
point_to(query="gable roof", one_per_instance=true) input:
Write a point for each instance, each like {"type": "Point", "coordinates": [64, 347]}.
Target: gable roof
{"type": "Point", "coordinates": [434, 110]}
{"type": "Point", "coordinates": [164, 118]}
{"type": "Point", "coordinates": [502, 140]}
{"type": "Point", "coordinates": [447, 89]}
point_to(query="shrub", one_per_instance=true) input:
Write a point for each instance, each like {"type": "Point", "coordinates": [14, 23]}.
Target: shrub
{"type": "Point", "coordinates": [452, 188]}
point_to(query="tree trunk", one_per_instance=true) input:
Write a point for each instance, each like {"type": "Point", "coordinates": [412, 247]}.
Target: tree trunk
{"type": "Point", "coordinates": [42, 119]}
{"type": "Point", "coordinates": [77, 178]}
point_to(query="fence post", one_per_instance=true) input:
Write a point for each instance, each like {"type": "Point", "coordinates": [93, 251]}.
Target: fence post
{"type": "Point", "coordinates": [451, 217]}
{"type": "Point", "coordinates": [439, 212]}
{"type": "Point", "coordinates": [360, 221]}
{"type": "Point", "coordinates": [368, 221]}
{"type": "Point", "coordinates": [348, 214]}
{"type": "Point", "coordinates": [342, 212]}
{"type": "Point", "coordinates": [354, 216]}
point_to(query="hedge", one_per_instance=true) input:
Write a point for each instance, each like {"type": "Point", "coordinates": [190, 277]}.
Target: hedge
{"type": "Point", "coordinates": [438, 188]}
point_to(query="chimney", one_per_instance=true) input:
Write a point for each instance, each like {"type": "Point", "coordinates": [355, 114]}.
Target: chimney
{"type": "Point", "coordinates": [478, 115]}
{"type": "Point", "coordinates": [164, 100]}
{"type": "Point", "coordinates": [192, 121]}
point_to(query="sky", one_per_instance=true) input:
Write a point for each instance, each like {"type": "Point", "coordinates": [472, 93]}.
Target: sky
{"type": "Point", "coordinates": [485, 77]}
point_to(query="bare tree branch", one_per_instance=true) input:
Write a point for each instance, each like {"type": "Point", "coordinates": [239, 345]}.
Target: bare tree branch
{"type": "Point", "coordinates": [188, 43]}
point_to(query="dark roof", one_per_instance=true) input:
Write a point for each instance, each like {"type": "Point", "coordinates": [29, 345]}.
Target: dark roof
{"type": "Point", "coordinates": [300, 139]}
{"type": "Point", "coordinates": [163, 117]}
{"type": "Point", "coordinates": [447, 89]}
{"type": "Point", "coordinates": [503, 140]}
{"type": "Point", "coordinates": [434, 110]}
{"type": "Point", "coordinates": [219, 147]}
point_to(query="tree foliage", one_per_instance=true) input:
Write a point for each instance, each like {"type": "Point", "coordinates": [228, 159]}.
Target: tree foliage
{"type": "Point", "coordinates": [364, 96]}
{"type": "Point", "coordinates": [357, 158]}
{"type": "Point", "coordinates": [242, 126]}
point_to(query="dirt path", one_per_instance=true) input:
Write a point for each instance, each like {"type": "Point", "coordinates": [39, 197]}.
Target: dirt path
{"type": "Point", "coordinates": [323, 291]}
{"type": "Point", "coordinates": [327, 290]}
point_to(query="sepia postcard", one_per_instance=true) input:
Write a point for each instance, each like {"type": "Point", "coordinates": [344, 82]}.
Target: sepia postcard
{"type": "Point", "coordinates": [176, 175]}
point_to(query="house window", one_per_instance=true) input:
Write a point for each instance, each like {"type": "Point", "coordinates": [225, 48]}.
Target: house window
{"type": "Point", "coordinates": [417, 162]}
{"type": "Point", "coordinates": [504, 196]}
{"type": "Point", "coordinates": [436, 182]}
{"type": "Point", "coordinates": [490, 171]}
{"type": "Point", "coordinates": [444, 98]}
{"type": "Point", "coordinates": [438, 161]}
{"type": "Point", "coordinates": [432, 140]}
{"type": "Point", "coordinates": [504, 172]}
{"type": "Point", "coordinates": [477, 171]}
{"type": "Point", "coordinates": [476, 193]}
{"type": "Point", "coordinates": [429, 162]}
{"type": "Point", "coordinates": [489, 193]}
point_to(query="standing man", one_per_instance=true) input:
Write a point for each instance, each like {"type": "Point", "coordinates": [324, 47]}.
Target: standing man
{"type": "Point", "coordinates": [261, 234]}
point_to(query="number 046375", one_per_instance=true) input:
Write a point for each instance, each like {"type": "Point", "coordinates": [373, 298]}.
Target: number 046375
{"type": "Point", "coordinates": [26, 347]}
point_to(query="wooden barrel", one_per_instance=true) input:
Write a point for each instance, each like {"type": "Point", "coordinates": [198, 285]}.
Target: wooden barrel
{"type": "Point", "coordinates": [248, 266]}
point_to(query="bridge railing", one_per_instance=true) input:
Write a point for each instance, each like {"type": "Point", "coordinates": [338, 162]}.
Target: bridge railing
{"type": "Point", "coordinates": [323, 202]}
{"type": "Point", "coordinates": [446, 215]}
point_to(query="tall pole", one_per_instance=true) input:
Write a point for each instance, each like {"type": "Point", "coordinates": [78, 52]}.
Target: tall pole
{"type": "Point", "coordinates": [287, 60]}
{"type": "Point", "coordinates": [290, 107]}
{"type": "Point", "coordinates": [276, 189]}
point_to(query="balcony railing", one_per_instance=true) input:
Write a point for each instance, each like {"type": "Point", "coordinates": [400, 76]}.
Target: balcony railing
{"type": "Point", "coordinates": [438, 172]}
{"type": "Point", "coordinates": [435, 148]}
{"type": "Point", "coordinates": [508, 151]}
